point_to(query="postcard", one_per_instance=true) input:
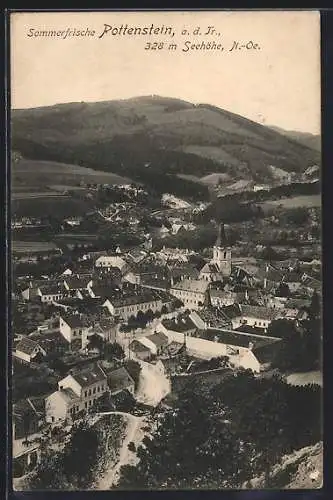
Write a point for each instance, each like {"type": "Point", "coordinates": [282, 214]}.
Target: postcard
{"type": "Point", "coordinates": [166, 250]}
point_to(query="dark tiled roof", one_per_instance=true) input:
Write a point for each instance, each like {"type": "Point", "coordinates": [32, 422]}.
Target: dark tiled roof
{"type": "Point", "coordinates": [52, 289]}
{"type": "Point", "coordinates": [105, 291]}
{"type": "Point", "coordinates": [232, 311]}
{"type": "Point", "coordinates": [119, 380]}
{"type": "Point", "coordinates": [195, 286]}
{"type": "Point", "coordinates": [75, 283]}
{"type": "Point", "coordinates": [237, 339]}
{"type": "Point", "coordinates": [159, 339]}
{"type": "Point", "coordinates": [89, 376]}
{"type": "Point", "coordinates": [250, 330]}
{"type": "Point", "coordinates": [74, 321]}
{"type": "Point", "coordinates": [183, 324]}
{"type": "Point", "coordinates": [27, 345]}
{"type": "Point", "coordinates": [127, 300]}
{"type": "Point", "coordinates": [259, 312]}
{"type": "Point", "coordinates": [185, 269]}
{"type": "Point", "coordinates": [159, 282]}
{"type": "Point", "coordinates": [210, 268]}
{"type": "Point", "coordinates": [137, 346]}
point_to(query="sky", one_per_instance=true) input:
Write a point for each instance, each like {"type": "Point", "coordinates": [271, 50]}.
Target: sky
{"type": "Point", "coordinates": [276, 83]}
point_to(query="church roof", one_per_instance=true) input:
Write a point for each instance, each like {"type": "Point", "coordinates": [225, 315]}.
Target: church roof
{"type": "Point", "coordinates": [221, 237]}
{"type": "Point", "coordinates": [210, 267]}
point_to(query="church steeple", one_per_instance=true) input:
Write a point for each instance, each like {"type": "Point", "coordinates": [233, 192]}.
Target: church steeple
{"type": "Point", "coordinates": [221, 240]}
{"type": "Point", "coordinates": [222, 252]}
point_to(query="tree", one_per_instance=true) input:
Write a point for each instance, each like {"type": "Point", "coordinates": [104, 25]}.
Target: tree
{"type": "Point", "coordinates": [149, 316]}
{"type": "Point", "coordinates": [282, 328]}
{"type": "Point", "coordinates": [141, 319]}
{"type": "Point", "coordinates": [314, 309]}
{"type": "Point", "coordinates": [84, 442]}
{"type": "Point", "coordinates": [113, 352]}
{"type": "Point", "coordinates": [283, 290]}
{"type": "Point", "coordinates": [96, 342]}
{"type": "Point", "coordinates": [164, 309]}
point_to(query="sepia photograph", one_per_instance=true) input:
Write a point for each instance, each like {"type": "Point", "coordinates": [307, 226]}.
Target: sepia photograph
{"type": "Point", "coordinates": [166, 256]}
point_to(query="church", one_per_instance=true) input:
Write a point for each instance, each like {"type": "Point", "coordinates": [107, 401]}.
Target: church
{"type": "Point", "coordinates": [220, 265]}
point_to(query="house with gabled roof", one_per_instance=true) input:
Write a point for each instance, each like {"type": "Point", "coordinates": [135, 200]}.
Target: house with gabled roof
{"type": "Point", "coordinates": [49, 293]}
{"type": "Point", "coordinates": [243, 350]}
{"type": "Point", "coordinates": [28, 350]}
{"type": "Point", "coordinates": [193, 293]}
{"type": "Point", "coordinates": [160, 342]}
{"type": "Point", "coordinates": [76, 283]}
{"type": "Point", "coordinates": [129, 304]}
{"type": "Point", "coordinates": [183, 323]}
{"type": "Point", "coordinates": [77, 392]}
{"type": "Point", "coordinates": [258, 316]}
{"type": "Point", "coordinates": [140, 350]}
{"type": "Point", "coordinates": [28, 416]}
{"type": "Point", "coordinates": [73, 327]}
{"type": "Point", "coordinates": [120, 380]}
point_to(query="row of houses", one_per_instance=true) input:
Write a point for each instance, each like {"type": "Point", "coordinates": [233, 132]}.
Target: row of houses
{"type": "Point", "coordinates": [76, 392]}
{"type": "Point", "coordinates": [172, 337]}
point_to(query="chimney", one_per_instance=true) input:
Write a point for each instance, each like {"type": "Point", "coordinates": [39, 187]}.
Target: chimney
{"type": "Point", "coordinates": [251, 346]}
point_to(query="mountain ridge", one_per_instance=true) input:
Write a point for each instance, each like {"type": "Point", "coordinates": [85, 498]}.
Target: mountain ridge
{"type": "Point", "coordinates": [148, 135]}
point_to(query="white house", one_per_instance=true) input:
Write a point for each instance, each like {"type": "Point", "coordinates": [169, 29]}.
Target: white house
{"type": "Point", "coordinates": [247, 351]}
{"type": "Point", "coordinates": [28, 350]}
{"type": "Point", "coordinates": [193, 293]}
{"type": "Point", "coordinates": [109, 261]}
{"type": "Point", "coordinates": [76, 392]}
{"type": "Point", "coordinates": [220, 298]}
{"type": "Point", "coordinates": [129, 305]}
{"type": "Point", "coordinates": [73, 327]}
{"type": "Point", "coordinates": [51, 293]}
{"type": "Point", "coordinates": [256, 316]}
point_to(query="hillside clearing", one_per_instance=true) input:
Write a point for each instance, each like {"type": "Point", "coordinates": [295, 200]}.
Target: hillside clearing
{"type": "Point", "coordinates": [314, 377]}
{"type": "Point", "coordinates": [39, 173]}
{"type": "Point", "coordinates": [308, 201]}
{"type": "Point", "coordinates": [32, 246]}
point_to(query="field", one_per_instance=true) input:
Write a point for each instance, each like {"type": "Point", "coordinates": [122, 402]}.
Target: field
{"type": "Point", "coordinates": [214, 179]}
{"type": "Point", "coordinates": [40, 173]}
{"type": "Point", "coordinates": [314, 377]}
{"type": "Point", "coordinates": [309, 201]}
{"type": "Point", "coordinates": [60, 206]}
{"type": "Point", "coordinates": [63, 187]}
{"type": "Point", "coordinates": [38, 187]}
{"type": "Point", "coordinates": [32, 195]}
{"type": "Point", "coordinates": [32, 246]}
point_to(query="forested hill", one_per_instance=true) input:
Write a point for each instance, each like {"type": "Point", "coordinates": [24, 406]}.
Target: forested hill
{"type": "Point", "coordinates": [312, 141]}
{"type": "Point", "coordinates": [148, 138]}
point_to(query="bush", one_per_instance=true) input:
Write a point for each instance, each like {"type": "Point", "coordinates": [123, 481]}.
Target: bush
{"type": "Point", "coordinates": [131, 446]}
